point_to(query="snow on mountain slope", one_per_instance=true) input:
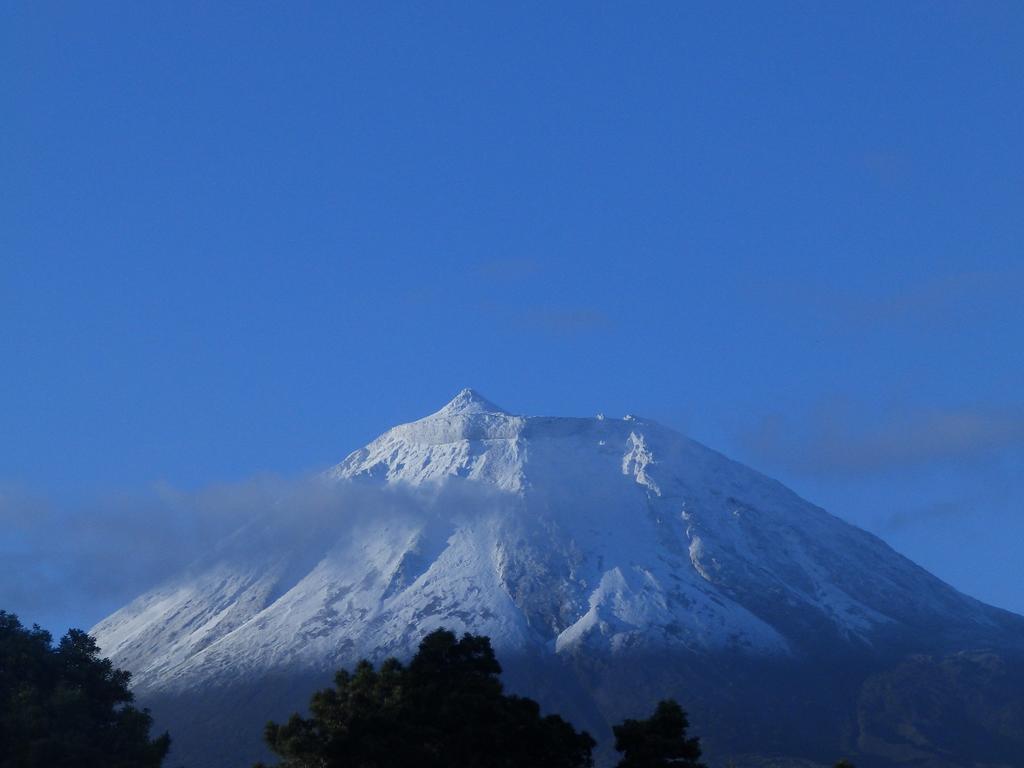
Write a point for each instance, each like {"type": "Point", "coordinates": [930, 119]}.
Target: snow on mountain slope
{"type": "Point", "coordinates": [553, 536]}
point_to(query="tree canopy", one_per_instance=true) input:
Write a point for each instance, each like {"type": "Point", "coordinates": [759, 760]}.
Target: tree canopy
{"type": "Point", "coordinates": [446, 709]}
{"type": "Point", "coordinates": [659, 741]}
{"type": "Point", "coordinates": [64, 705]}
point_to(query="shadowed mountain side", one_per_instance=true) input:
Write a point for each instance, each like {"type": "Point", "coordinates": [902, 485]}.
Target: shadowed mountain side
{"type": "Point", "coordinates": [959, 712]}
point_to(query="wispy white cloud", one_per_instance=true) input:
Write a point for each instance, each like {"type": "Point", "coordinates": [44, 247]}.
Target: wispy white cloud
{"type": "Point", "coordinates": [84, 561]}
{"type": "Point", "coordinates": [565, 322]}
{"type": "Point", "coordinates": [831, 440]}
{"type": "Point", "coordinates": [508, 269]}
{"type": "Point", "coordinates": [942, 511]}
{"type": "Point", "coordinates": [932, 303]}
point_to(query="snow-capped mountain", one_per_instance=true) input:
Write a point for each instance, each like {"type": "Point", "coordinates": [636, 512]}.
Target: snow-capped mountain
{"type": "Point", "coordinates": [584, 547]}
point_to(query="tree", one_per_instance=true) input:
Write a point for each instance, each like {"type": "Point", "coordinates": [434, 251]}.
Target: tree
{"type": "Point", "coordinates": [446, 709]}
{"type": "Point", "coordinates": [658, 741]}
{"type": "Point", "coordinates": [67, 706]}
{"type": "Point", "coordinates": [844, 764]}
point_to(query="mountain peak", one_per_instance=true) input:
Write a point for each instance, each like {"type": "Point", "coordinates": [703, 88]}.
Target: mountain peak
{"type": "Point", "coordinates": [470, 401]}
{"type": "Point", "coordinates": [582, 547]}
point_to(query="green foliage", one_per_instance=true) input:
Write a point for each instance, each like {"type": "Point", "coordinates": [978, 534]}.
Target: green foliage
{"type": "Point", "coordinates": [658, 741]}
{"type": "Point", "coordinates": [66, 706]}
{"type": "Point", "coordinates": [844, 764]}
{"type": "Point", "coordinates": [446, 709]}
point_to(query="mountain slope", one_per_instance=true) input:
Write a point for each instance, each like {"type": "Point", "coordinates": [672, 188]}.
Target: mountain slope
{"type": "Point", "coordinates": [614, 556]}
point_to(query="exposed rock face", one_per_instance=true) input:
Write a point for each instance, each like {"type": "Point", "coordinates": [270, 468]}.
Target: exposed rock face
{"type": "Point", "coordinates": [611, 561]}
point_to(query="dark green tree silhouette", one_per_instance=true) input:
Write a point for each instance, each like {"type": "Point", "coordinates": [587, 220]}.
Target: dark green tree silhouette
{"type": "Point", "coordinates": [446, 709]}
{"type": "Point", "coordinates": [65, 706]}
{"type": "Point", "coordinates": [658, 741]}
{"type": "Point", "coordinates": [844, 764]}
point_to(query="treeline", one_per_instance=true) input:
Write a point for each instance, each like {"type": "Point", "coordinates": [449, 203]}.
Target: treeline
{"type": "Point", "coordinates": [64, 705]}
{"type": "Point", "coordinates": [447, 709]}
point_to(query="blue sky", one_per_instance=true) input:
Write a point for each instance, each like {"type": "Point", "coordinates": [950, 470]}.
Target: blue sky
{"type": "Point", "coordinates": [244, 239]}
